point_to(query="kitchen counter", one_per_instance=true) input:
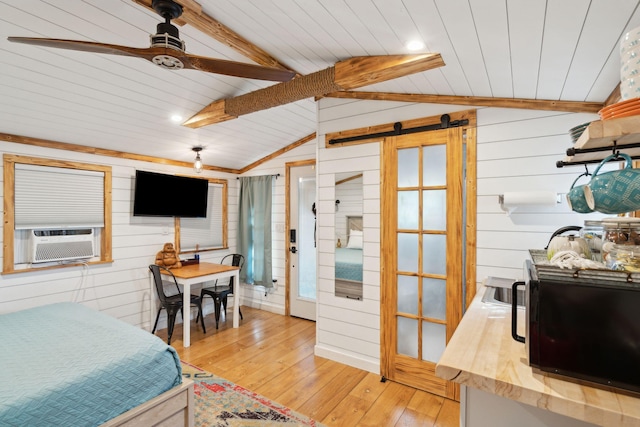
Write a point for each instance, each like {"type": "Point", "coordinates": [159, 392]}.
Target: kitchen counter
{"type": "Point", "coordinates": [483, 356]}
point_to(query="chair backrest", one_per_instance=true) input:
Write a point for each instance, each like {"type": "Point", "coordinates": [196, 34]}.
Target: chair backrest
{"type": "Point", "coordinates": [157, 280]}
{"type": "Point", "coordinates": [237, 260]}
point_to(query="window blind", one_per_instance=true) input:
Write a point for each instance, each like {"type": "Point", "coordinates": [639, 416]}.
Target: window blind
{"type": "Point", "coordinates": [206, 232]}
{"type": "Point", "coordinates": [53, 197]}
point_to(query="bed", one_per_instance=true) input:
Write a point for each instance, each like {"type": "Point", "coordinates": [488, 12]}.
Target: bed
{"type": "Point", "coordinates": [348, 261]}
{"type": "Point", "coordinates": [349, 264]}
{"type": "Point", "coordinates": [66, 364]}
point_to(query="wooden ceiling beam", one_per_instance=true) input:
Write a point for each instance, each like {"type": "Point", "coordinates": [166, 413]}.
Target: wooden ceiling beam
{"type": "Point", "coordinates": [192, 14]}
{"type": "Point", "coordinates": [349, 74]}
{"type": "Point", "coordinates": [529, 104]}
{"type": "Point", "coordinates": [46, 143]}
{"type": "Point", "coordinates": [367, 70]}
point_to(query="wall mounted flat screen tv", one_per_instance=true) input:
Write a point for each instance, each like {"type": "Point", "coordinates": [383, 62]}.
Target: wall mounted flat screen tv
{"type": "Point", "coordinates": [157, 194]}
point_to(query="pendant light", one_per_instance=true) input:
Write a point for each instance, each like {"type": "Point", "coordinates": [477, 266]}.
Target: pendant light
{"type": "Point", "coordinates": [197, 164]}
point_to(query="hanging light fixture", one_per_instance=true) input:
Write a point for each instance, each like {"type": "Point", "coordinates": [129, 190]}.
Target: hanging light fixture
{"type": "Point", "coordinates": [197, 164]}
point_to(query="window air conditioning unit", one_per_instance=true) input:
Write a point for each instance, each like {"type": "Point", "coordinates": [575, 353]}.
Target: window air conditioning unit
{"type": "Point", "coordinates": [60, 245]}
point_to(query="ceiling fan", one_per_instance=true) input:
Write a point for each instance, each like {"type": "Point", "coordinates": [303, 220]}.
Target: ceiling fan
{"type": "Point", "coordinates": [167, 50]}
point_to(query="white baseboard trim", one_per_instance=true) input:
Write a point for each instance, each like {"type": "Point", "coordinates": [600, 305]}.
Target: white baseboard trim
{"type": "Point", "coordinates": [263, 305]}
{"type": "Point", "coordinates": [339, 355]}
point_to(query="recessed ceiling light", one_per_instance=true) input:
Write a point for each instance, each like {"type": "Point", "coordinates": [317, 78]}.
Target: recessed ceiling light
{"type": "Point", "coordinates": [176, 118]}
{"type": "Point", "coordinates": [414, 45]}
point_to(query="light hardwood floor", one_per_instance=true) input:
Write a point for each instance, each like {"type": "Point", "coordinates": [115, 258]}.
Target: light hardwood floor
{"type": "Point", "coordinates": [273, 355]}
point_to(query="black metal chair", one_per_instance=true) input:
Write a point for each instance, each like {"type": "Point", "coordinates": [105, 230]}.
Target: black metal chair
{"type": "Point", "coordinates": [172, 303]}
{"type": "Point", "coordinates": [221, 293]}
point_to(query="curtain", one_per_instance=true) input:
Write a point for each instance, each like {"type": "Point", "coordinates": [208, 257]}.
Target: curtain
{"type": "Point", "coordinates": [254, 230]}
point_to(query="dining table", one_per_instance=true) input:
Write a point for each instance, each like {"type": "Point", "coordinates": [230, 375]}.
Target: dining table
{"type": "Point", "coordinates": [200, 273]}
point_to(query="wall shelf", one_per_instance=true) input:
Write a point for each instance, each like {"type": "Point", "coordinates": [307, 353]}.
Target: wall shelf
{"type": "Point", "coordinates": [603, 137]}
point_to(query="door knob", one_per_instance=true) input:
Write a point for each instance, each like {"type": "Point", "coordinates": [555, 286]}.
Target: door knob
{"type": "Point", "coordinates": [293, 249]}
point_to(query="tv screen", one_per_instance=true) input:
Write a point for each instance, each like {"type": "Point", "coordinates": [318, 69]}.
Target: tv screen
{"type": "Point", "coordinates": [157, 194]}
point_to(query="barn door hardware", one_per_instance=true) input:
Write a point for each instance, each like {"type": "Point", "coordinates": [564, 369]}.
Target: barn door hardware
{"type": "Point", "coordinates": [445, 123]}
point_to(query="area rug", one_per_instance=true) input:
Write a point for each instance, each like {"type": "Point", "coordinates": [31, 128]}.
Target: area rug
{"type": "Point", "coordinates": [221, 403]}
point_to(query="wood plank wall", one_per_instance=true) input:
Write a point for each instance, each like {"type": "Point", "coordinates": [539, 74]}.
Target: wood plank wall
{"type": "Point", "coordinates": [517, 151]}
{"type": "Point", "coordinates": [122, 289]}
{"type": "Point", "coordinates": [346, 326]}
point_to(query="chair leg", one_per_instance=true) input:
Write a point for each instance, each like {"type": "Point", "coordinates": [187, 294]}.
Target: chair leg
{"type": "Point", "coordinates": [202, 295]}
{"type": "Point", "coordinates": [201, 316]}
{"type": "Point", "coordinates": [216, 305]}
{"type": "Point", "coordinates": [224, 306]}
{"type": "Point", "coordinates": [171, 318]}
{"type": "Point", "coordinates": [156, 323]}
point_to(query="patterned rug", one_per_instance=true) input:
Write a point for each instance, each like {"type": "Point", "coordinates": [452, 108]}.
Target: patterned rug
{"type": "Point", "coordinates": [221, 403]}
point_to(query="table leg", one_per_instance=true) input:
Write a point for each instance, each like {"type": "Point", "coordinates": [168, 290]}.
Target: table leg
{"type": "Point", "coordinates": [186, 315]}
{"type": "Point", "coordinates": [236, 299]}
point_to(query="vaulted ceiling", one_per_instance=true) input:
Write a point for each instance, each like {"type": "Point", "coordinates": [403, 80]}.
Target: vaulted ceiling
{"type": "Point", "coordinates": [494, 50]}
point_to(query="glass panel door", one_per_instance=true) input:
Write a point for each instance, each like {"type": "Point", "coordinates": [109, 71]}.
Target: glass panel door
{"type": "Point", "coordinates": [423, 214]}
{"type": "Point", "coordinates": [301, 241]}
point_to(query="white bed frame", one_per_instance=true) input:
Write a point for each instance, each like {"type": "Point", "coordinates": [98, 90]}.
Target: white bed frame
{"type": "Point", "coordinates": [173, 408]}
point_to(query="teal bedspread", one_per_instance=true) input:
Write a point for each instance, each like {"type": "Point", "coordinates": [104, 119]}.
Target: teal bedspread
{"type": "Point", "coordinates": [349, 264]}
{"type": "Point", "coordinates": [68, 365]}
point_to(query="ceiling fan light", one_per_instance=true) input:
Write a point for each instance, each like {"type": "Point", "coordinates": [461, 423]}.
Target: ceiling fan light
{"type": "Point", "coordinates": [168, 62]}
{"type": "Point", "coordinates": [168, 41]}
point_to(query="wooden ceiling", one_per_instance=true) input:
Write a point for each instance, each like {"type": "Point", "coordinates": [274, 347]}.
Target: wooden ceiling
{"type": "Point", "coordinates": [556, 54]}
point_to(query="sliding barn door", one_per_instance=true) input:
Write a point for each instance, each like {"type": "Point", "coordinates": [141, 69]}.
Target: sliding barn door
{"type": "Point", "coordinates": [423, 213]}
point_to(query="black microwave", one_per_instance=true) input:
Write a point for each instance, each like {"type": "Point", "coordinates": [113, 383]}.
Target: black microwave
{"type": "Point", "coordinates": [587, 329]}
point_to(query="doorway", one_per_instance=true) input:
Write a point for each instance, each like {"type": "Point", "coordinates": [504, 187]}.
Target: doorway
{"type": "Point", "coordinates": [301, 240]}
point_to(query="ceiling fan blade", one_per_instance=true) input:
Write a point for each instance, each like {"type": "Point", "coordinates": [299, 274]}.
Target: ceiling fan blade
{"type": "Point", "coordinates": [236, 69]}
{"type": "Point", "coordinates": [110, 49]}
{"type": "Point", "coordinates": [167, 57]}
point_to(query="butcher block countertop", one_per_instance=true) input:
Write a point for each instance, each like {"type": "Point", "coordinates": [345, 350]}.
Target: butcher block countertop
{"type": "Point", "coordinates": [483, 355]}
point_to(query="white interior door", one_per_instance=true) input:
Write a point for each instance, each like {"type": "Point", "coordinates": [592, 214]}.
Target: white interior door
{"type": "Point", "coordinates": [302, 242]}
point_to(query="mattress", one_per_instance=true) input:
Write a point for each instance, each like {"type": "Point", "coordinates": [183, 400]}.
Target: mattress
{"type": "Point", "coordinates": [68, 365]}
{"type": "Point", "coordinates": [349, 264]}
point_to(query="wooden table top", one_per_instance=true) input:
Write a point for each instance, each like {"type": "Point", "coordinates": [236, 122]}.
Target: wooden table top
{"type": "Point", "coordinates": [201, 269]}
{"type": "Point", "coordinates": [483, 355]}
